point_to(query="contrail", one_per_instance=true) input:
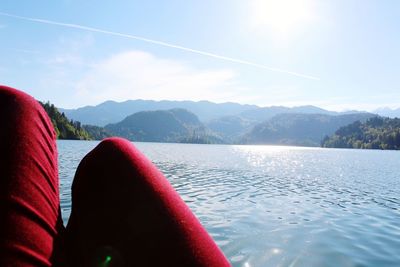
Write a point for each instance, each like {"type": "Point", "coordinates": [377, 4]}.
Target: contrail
{"type": "Point", "coordinates": [183, 48]}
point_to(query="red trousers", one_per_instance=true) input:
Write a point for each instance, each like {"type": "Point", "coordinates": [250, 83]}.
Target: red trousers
{"type": "Point", "coordinates": [124, 211]}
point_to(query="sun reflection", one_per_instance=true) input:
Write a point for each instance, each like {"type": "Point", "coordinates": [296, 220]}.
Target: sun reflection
{"type": "Point", "coordinates": [269, 148]}
{"type": "Point", "coordinates": [276, 251]}
{"type": "Point", "coordinates": [256, 155]}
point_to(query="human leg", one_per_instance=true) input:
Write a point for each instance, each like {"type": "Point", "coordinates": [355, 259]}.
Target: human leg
{"type": "Point", "coordinates": [125, 213]}
{"type": "Point", "coordinates": [30, 219]}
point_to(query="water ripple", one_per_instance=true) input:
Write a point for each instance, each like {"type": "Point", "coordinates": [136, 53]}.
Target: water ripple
{"type": "Point", "coordinates": [280, 206]}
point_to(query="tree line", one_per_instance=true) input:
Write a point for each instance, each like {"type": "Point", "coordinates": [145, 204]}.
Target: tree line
{"type": "Point", "coordinates": [65, 128]}
{"type": "Point", "coordinates": [375, 133]}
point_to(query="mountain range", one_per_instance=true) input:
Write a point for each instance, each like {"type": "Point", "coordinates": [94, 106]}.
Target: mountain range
{"type": "Point", "coordinates": [112, 112]}
{"type": "Point", "coordinates": [207, 122]}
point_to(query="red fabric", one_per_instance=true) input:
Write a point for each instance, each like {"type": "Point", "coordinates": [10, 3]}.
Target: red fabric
{"type": "Point", "coordinates": [122, 206]}
{"type": "Point", "coordinates": [30, 218]}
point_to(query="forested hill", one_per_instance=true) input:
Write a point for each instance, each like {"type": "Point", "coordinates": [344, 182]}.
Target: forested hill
{"type": "Point", "coordinates": [375, 133]}
{"type": "Point", "coordinates": [174, 125]}
{"type": "Point", "coordinates": [299, 129]}
{"type": "Point", "coordinates": [65, 129]}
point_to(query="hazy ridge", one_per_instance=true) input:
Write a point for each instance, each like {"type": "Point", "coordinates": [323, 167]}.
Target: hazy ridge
{"type": "Point", "coordinates": [208, 122]}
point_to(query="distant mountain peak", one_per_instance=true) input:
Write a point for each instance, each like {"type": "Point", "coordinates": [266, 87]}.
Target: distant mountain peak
{"type": "Point", "coordinates": [112, 111]}
{"type": "Point", "coordinates": [388, 112]}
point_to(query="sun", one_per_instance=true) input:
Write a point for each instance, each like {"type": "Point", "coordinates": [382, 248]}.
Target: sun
{"type": "Point", "coordinates": [281, 16]}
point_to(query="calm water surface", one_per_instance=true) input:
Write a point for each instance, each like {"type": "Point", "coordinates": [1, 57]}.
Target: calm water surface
{"type": "Point", "coordinates": [279, 206]}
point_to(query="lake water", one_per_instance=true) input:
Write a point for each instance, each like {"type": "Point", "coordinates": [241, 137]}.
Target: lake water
{"type": "Point", "coordinates": [279, 206]}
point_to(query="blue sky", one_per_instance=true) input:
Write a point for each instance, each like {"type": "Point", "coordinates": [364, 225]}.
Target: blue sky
{"type": "Point", "coordinates": [336, 54]}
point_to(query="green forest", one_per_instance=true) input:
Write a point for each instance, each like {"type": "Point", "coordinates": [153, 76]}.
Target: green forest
{"type": "Point", "coordinates": [65, 128]}
{"type": "Point", "coordinates": [375, 133]}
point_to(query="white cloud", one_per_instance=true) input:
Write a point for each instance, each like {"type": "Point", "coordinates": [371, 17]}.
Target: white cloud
{"type": "Point", "coordinates": [160, 43]}
{"type": "Point", "coordinates": [141, 75]}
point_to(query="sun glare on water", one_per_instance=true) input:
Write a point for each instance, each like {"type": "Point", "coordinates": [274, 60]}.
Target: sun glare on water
{"type": "Point", "coordinates": [281, 16]}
